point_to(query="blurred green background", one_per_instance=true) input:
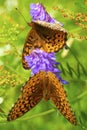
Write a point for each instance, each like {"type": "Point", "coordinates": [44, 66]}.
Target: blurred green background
{"type": "Point", "coordinates": [13, 32]}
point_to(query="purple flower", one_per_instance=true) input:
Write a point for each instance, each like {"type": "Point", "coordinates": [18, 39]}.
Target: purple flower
{"type": "Point", "coordinates": [38, 12]}
{"type": "Point", "coordinates": [39, 60]}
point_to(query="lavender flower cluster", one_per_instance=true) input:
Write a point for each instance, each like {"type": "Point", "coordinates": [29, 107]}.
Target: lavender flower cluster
{"type": "Point", "coordinates": [38, 12]}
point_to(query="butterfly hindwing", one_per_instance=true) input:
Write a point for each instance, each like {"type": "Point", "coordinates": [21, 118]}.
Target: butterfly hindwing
{"type": "Point", "coordinates": [30, 97]}
{"type": "Point", "coordinates": [58, 96]}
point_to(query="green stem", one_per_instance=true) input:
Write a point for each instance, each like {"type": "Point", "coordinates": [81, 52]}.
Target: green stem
{"type": "Point", "coordinates": [28, 118]}
{"type": "Point", "coordinates": [37, 115]}
{"type": "Point", "coordinates": [79, 96]}
{"type": "Point", "coordinates": [82, 95]}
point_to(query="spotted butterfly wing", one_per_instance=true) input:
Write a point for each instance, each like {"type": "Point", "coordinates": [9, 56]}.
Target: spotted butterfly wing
{"type": "Point", "coordinates": [53, 35]}
{"type": "Point", "coordinates": [58, 96]}
{"type": "Point", "coordinates": [50, 37]}
{"type": "Point", "coordinates": [30, 97]}
{"type": "Point", "coordinates": [32, 41]}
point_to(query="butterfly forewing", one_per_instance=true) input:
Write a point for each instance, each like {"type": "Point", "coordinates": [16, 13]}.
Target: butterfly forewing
{"type": "Point", "coordinates": [30, 97]}
{"type": "Point", "coordinates": [58, 96]}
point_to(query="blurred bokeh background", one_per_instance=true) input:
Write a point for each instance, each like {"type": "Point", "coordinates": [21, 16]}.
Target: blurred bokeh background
{"type": "Point", "coordinates": [73, 63]}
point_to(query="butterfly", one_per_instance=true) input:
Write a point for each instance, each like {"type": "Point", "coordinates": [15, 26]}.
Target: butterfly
{"type": "Point", "coordinates": [50, 37]}
{"type": "Point", "coordinates": [42, 85]}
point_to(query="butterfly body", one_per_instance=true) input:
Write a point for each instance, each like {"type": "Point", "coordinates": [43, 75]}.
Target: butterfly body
{"type": "Point", "coordinates": [45, 36]}
{"type": "Point", "coordinates": [42, 85]}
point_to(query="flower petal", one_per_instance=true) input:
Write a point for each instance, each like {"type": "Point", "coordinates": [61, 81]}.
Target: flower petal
{"type": "Point", "coordinates": [38, 12]}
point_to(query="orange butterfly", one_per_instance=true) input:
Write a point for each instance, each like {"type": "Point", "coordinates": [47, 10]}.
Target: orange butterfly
{"type": "Point", "coordinates": [50, 37]}
{"type": "Point", "coordinates": [42, 85]}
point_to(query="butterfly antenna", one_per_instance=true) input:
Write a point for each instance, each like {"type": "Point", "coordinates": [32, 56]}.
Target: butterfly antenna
{"type": "Point", "coordinates": [21, 15]}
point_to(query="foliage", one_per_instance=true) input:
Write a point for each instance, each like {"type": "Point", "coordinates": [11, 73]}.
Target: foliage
{"type": "Point", "coordinates": [13, 31]}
